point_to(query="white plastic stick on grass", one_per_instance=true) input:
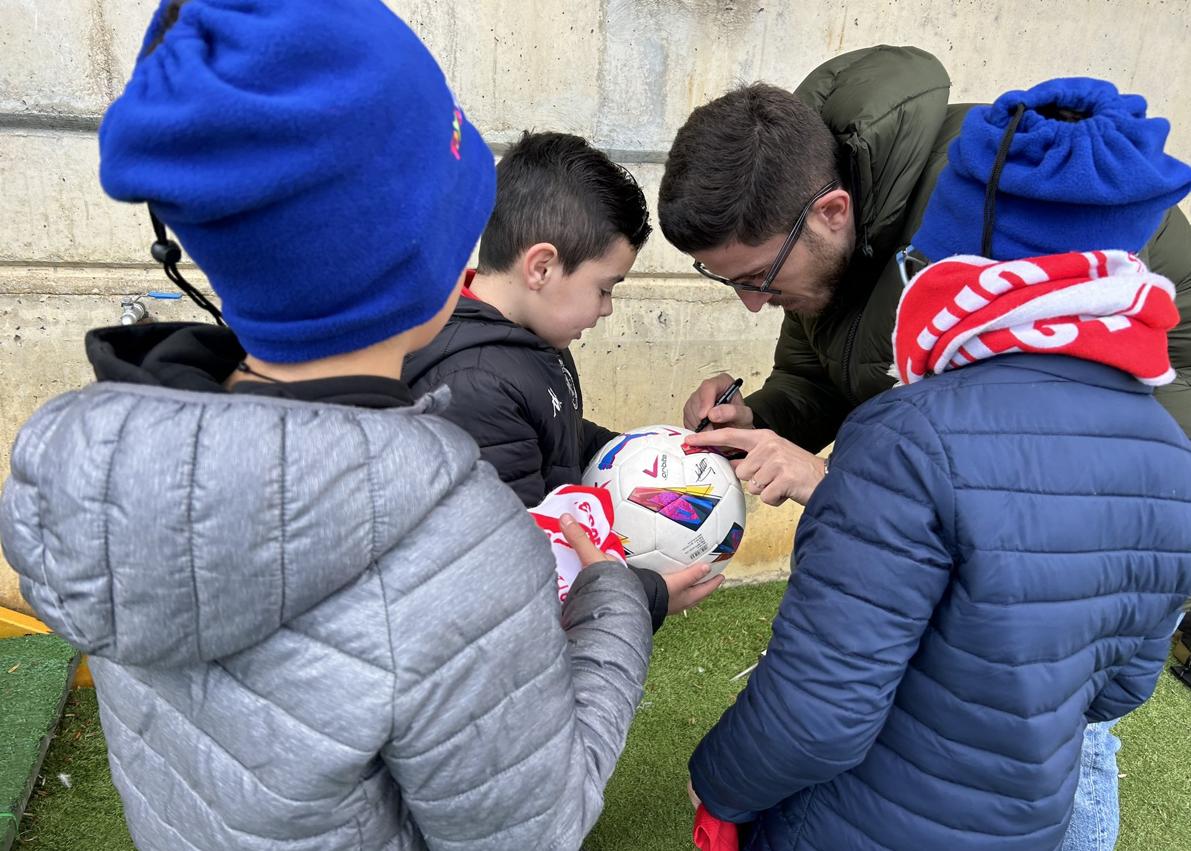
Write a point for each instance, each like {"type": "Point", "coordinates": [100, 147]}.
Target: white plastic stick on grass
{"type": "Point", "coordinates": [747, 670]}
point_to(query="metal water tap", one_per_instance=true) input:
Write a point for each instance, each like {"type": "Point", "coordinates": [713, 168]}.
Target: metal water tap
{"type": "Point", "coordinates": [133, 309]}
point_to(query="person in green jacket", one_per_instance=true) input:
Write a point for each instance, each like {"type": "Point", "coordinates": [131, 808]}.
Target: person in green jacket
{"type": "Point", "coordinates": [800, 201]}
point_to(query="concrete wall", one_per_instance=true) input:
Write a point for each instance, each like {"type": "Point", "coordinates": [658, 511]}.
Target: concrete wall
{"type": "Point", "coordinates": [624, 72]}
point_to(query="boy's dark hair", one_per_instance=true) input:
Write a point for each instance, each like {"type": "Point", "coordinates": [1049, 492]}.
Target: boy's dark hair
{"type": "Point", "coordinates": [168, 18]}
{"type": "Point", "coordinates": [556, 188]}
{"type": "Point", "coordinates": [742, 167]}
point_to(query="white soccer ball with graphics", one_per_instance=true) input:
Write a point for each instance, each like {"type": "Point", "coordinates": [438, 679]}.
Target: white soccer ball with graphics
{"type": "Point", "coordinates": [673, 506]}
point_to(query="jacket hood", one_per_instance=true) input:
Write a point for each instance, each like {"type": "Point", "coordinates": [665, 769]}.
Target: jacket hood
{"type": "Point", "coordinates": [182, 355]}
{"type": "Point", "coordinates": [885, 106]}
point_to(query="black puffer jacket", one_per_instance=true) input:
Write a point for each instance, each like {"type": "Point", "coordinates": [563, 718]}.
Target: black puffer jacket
{"type": "Point", "coordinates": [519, 398]}
{"type": "Point", "coordinates": [517, 395]}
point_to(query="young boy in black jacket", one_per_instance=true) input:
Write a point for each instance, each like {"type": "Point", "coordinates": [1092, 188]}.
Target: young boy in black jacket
{"type": "Point", "coordinates": [566, 229]}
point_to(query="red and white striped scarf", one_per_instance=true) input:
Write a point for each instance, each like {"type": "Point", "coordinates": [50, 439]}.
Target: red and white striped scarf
{"type": "Point", "coordinates": [1103, 306]}
{"type": "Point", "coordinates": [592, 508]}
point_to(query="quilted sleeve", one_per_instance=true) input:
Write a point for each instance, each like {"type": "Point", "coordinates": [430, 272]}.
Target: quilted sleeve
{"type": "Point", "coordinates": [509, 714]}
{"type": "Point", "coordinates": [798, 400]}
{"type": "Point", "coordinates": [872, 564]}
{"type": "Point", "coordinates": [21, 516]}
{"type": "Point", "coordinates": [491, 410]}
{"type": "Point", "coordinates": [1135, 682]}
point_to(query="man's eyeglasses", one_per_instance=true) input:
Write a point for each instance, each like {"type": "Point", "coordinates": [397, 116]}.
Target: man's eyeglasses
{"type": "Point", "coordinates": [782, 254]}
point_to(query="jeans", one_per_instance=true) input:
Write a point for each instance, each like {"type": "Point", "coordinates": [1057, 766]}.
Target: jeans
{"type": "Point", "coordinates": [1096, 817]}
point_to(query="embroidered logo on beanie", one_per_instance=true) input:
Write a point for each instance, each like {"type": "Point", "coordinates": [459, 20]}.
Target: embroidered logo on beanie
{"type": "Point", "coordinates": [457, 132]}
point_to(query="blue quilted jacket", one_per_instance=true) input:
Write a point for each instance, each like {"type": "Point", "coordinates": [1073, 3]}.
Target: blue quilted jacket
{"type": "Point", "coordinates": [998, 556]}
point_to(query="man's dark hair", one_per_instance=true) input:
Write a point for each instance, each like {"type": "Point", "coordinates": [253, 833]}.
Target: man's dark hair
{"type": "Point", "coordinates": [742, 167]}
{"type": "Point", "coordinates": [556, 188]}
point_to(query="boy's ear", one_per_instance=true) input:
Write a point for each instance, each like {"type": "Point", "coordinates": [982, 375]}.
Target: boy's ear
{"type": "Point", "coordinates": [539, 264]}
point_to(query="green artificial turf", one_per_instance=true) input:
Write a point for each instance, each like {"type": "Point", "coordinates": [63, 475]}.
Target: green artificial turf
{"type": "Point", "coordinates": [647, 808]}
{"type": "Point", "coordinates": [86, 815]}
{"type": "Point", "coordinates": [1155, 766]}
{"type": "Point", "coordinates": [690, 684]}
{"type": "Point", "coordinates": [35, 672]}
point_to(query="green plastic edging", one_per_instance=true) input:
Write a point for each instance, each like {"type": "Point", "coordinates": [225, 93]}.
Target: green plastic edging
{"type": "Point", "coordinates": [35, 676]}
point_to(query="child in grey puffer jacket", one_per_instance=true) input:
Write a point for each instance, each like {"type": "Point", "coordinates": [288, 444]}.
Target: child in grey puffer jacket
{"type": "Point", "coordinates": [317, 620]}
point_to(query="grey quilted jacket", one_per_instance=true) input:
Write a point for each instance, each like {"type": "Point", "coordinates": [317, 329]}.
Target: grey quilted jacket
{"type": "Point", "coordinates": [317, 627]}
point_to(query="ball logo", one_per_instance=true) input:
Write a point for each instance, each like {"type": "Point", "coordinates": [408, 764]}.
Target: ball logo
{"type": "Point", "coordinates": [457, 133]}
{"type": "Point", "coordinates": [610, 456]}
{"type": "Point", "coordinates": [660, 467]}
{"type": "Point", "coordinates": [570, 380]}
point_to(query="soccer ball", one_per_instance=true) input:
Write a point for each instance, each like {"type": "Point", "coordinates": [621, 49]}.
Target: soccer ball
{"type": "Point", "coordinates": [673, 506]}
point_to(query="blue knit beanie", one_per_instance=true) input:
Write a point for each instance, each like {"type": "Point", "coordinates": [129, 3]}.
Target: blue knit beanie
{"type": "Point", "coordinates": [312, 161]}
{"type": "Point", "coordinates": [1097, 183]}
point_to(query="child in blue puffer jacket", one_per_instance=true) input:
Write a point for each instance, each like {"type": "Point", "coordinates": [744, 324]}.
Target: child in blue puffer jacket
{"type": "Point", "coordinates": [1012, 528]}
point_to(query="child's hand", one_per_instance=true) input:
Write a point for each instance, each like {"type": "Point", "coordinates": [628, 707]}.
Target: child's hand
{"type": "Point", "coordinates": [577, 537]}
{"type": "Point", "coordinates": [685, 590]}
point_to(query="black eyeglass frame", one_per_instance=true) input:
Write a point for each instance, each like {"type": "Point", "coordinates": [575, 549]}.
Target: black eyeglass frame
{"type": "Point", "coordinates": [782, 255]}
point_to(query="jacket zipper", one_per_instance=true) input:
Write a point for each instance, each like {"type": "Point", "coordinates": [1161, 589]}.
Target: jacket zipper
{"type": "Point", "coordinates": [866, 250]}
{"type": "Point", "coordinates": [849, 344]}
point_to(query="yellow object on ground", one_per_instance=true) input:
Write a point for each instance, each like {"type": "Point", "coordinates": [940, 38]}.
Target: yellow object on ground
{"type": "Point", "coordinates": [14, 623]}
